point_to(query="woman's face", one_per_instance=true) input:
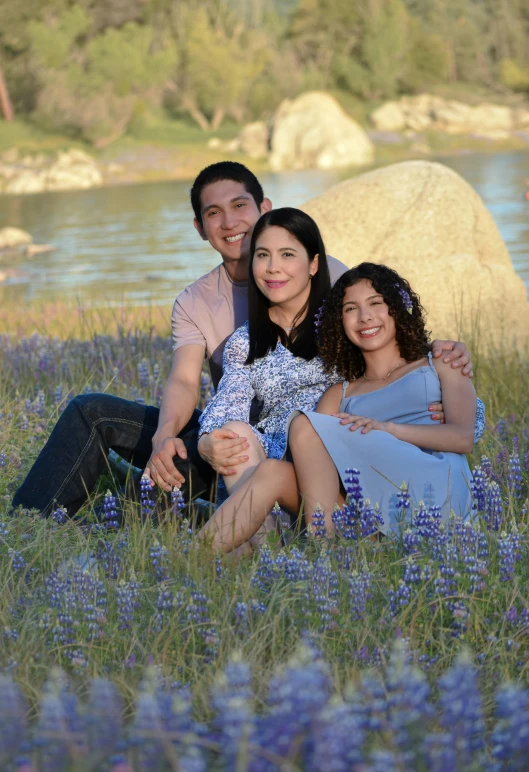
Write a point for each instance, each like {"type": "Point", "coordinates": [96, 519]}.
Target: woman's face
{"type": "Point", "coordinates": [281, 267]}
{"type": "Point", "coordinates": [366, 318]}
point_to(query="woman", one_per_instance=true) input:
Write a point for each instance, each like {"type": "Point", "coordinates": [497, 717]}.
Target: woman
{"type": "Point", "coordinates": [373, 336]}
{"type": "Point", "coordinates": [272, 358]}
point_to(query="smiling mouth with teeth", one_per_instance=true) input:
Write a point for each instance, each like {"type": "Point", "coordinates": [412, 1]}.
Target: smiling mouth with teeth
{"type": "Point", "coordinates": [238, 237]}
{"type": "Point", "coordinates": [372, 331]}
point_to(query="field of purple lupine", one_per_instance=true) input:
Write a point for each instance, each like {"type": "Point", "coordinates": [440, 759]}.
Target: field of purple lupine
{"type": "Point", "coordinates": [131, 647]}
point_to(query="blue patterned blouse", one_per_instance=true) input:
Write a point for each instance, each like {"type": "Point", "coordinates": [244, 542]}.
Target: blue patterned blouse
{"type": "Point", "coordinates": [282, 383]}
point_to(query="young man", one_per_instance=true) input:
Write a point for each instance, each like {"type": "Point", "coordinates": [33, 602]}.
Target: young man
{"type": "Point", "coordinates": [227, 200]}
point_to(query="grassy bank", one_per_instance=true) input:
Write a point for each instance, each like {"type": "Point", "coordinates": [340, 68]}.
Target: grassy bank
{"type": "Point", "coordinates": [204, 663]}
{"type": "Point", "coordinates": [162, 149]}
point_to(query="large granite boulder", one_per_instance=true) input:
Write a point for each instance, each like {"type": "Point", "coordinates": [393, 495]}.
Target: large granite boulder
{"type": "Point", "coordinates": [313, 132]}
{"type": "Point", "coordinates": [424, 220]}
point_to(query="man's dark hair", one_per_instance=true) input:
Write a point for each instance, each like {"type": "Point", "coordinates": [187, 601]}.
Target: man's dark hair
{"type": "Point", "coordinates": [225, 170]}
{"type": "Point", "coordinates": [264, 333]}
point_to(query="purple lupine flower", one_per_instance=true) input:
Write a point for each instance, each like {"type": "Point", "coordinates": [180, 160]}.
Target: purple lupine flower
{"type": "Point", "coordinates": [486, 465]}
{"type": "Point", "coordinates": [103, 720]}
{"type": "Point", "coordinates": [143, 374]}
{"type": "Point", "coordinates": [462, 710]}
{"type": "Point", "coordinates": [352, 486]}
{"type": "Point", "coordinates": [198, 615]}
{"type": "Point", "coordinates": [360, 591]}
{"type": "Point", "coordinates": [403, 501]}
{"type": "Point", "coordinates": [526, 461]}
{"type": "Point", "coordinates": [264, 574]}
{"type": "Point", "coordinates": [399, 597]}
{"type": "Point", "coordinates": [410, 541]}
{"type": "Point", "coordinates": [509, 551]}
{"type": "Point", "coordinates": [17, 561]}
{"type": "Point", "coordinates": [296, 695]}
{"type": "Point", "coordinates": [127, 600]}
{"type": "Point", "coordinates": [3, 460]}
{"type": "Point", "coordinates": [159, 560]}
{"type": "Point", "coordinates": [164, 604]}
{"type": "Point", "coordinates": [337, 739]}
{"type": "Point", "coordinates": [501, 429]}
{"type": "Point", "coordinates": [338, 519]}
{"type": "Point", "coordinates": [514, 476]}
{"type": "Point", "coordinates": [60, 515]}
{"type": "Point", "coordinates": [408, 700]}
{"type": "Point", "coordinates": [147, 502]}
{"type": "Point", "coordinates": [177, 501]}
{"type": "Point", "coordinates": [232, 700]}
{"type": "Point", "coordinates": [111, 516]}
{"type": "Point", "coordinates": [13, 722]}
{"type": "Point", "coordinates": [241, 617]}
{"type": "Point", "coordinates": [370, 519]}
{"type": "Point", "coordinates": [325, 592]}
{"type": "Point", "coordinates": [58, 714]}
{"type": "Point", "coordinates": [405, 297]}
{"type": "Point", "coordinates": [318, 523]}
{"type": "Point", "coordinates": [296, 567]}
{"type": "Point", "coordinates": [510, 736]}
{"type": "Point", "coordinates": [146, 732]}
{"type": "Point", "coordinates": [494, 506]}
{"type": "Point", "coordinates": [478, 488]}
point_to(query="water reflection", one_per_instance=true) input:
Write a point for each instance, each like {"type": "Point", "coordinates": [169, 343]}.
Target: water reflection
{"type": "Point", "coordinates": [138, 244]}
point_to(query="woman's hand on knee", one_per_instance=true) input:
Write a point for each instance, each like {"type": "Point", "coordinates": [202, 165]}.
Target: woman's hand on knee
{"type": "Point", "coordinates": [223, 450]}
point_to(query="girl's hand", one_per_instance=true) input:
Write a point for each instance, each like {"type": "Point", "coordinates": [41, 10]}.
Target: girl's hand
{"type": "Point", "coordinates": [366, 424]}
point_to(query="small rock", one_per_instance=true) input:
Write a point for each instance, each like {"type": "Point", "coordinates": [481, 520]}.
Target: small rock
{"type": "Point", "coordinates": [253, 140]}
{"type": "Point", "coordinates": [14, 237]}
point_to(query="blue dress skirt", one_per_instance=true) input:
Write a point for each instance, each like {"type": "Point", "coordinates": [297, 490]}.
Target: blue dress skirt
{"type": "Point", "coordinates": [384, 462]}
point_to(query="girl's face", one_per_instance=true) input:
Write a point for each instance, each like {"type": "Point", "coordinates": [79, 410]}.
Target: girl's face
{"type": "Point", "coordinates": [366, 318]}
{"type": "Point", "coordinates": [281, 267]}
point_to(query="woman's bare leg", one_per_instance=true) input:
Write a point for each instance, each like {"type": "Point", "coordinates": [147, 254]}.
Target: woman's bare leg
{"type": "Point", "coordinates": [241, 516]}
{"type": "Point", "coordinates": [318, 479]}
{"type": "Point", "coordinates": [255, 455]}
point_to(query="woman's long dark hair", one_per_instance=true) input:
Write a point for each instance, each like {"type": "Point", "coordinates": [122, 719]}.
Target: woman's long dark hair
{"type": "Point", "coordinates": [339, 354]}
{"type": "Point", "coordinates": [264, 333]}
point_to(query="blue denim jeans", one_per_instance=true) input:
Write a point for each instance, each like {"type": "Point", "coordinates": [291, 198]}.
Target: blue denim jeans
{"type": "Point", "coordinates": [76, 452]}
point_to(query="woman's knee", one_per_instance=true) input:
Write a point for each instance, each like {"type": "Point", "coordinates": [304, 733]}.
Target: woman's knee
{"type": "Point", "coordinates": [275, 470]}
{"type": "Point", "coordinates": [240, 428]}
{"type": "Point", "coordinates": [300, 430]}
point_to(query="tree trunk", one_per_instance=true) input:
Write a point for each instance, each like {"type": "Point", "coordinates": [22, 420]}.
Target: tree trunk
{"type": "Point", "coordinates": [189, 104]}
{"type": "Point", "coordinates": [218, 117]}
{"type": "Point", "coordinates": [5, 102]}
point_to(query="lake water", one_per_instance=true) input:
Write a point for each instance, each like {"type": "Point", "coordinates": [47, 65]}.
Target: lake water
{"type": "Point", "coordinates": [137, 244]}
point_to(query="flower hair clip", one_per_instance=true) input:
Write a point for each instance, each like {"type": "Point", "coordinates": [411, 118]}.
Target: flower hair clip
{"type": "Point", "coordinates": [408, 305]}
{"type": "Point", "coordinates": [318, 317]}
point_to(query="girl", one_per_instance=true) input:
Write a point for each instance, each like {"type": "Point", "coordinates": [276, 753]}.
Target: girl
{"type": "Point", "coordinates": [373, 336]}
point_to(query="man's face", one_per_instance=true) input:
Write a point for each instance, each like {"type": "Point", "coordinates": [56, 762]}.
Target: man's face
{"type": "Point", "coordinates": [229, 214]}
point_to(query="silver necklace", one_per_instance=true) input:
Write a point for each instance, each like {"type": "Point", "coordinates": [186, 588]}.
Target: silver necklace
{"type": "Point", "coordinates": [385, 377]}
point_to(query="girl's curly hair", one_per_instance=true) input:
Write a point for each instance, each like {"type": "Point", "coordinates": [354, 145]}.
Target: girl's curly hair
{"type": "Point", "coordinates": [336, 350]}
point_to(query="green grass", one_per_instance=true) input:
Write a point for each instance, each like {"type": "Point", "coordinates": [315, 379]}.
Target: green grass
{"type": "Point", "coordinates": [31, 372]}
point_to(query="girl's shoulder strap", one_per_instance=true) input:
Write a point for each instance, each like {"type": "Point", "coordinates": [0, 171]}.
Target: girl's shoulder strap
{"type": "Point", "coordinates": [345, 384]}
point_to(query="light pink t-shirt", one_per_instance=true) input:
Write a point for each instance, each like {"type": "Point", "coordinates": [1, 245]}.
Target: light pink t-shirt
{"type": "Point", "coordinates": [210, 310]}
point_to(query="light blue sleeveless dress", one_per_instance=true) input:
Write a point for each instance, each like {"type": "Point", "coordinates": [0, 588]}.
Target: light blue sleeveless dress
{"type": "Point", "coordinates": [384, 462]}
